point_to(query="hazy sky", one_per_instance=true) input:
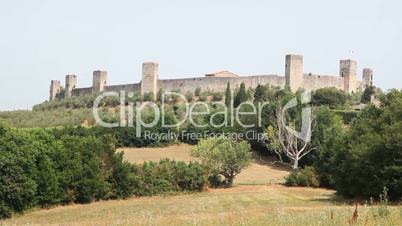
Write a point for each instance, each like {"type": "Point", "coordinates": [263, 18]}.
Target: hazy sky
{"type": "Point", "coordinates": [44, 40]}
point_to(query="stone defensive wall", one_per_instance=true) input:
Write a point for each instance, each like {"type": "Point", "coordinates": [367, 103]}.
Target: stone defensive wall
{"type": "Point", "coordinates": [81, 92]}
{"type": "Point", "coordinates": [315, 81]}
{"type": "Point", "coordinates": [295, 78]}
{"type": "Point", "coordinates": [135, 88]}
{"type": "Point", "coordinates": [219, 83]}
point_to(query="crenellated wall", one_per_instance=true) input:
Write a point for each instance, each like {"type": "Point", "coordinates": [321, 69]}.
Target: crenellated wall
{"type": "Point", "coordinates": [219, 83]}
{"type": "Point", "coordinates": [314, 81]}
{"type": "Point", "coordinates": [135, 88]}
{"type": "Point", "coordinates": [294, 79]}
{"type": "Point", "coordinates": [81, 92]}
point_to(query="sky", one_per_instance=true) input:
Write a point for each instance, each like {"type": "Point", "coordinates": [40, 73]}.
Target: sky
{"type": "Point", "coordinates": [43, 40]}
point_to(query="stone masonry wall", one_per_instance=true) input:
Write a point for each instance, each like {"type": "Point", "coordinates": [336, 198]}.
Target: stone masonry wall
{"type": "Point", "coordinates": [135, 88]}
{"type": "Point", "coordinates": [219, 83]}
{"type": "Point", "coordinates": [310, 82]}
{"type": "Point", "coordinates": [81, 92]}
{"type": "Point", "coordinates": [294, 79]}
{"type": "Point", "coordinates": [314, 81]}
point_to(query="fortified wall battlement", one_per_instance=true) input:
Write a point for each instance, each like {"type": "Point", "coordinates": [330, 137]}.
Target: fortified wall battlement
{"type": "Point", "coordinates": [294, 78]}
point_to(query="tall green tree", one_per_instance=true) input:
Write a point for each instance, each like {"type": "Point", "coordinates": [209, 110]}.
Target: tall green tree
{"type": "Point", "coordinates": [228, 96]}
{"type": "Point", "coordinates": [159, 95]}
{"type": "Point", "coordinates": [241, 96]}
{"type": "Point", "coordinates": [368, 92]}
{"type": "Point", "coordinates": [258, 93]}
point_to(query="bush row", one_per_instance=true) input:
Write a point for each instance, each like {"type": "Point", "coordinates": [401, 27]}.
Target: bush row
{"type": "Point", "coordinates": [168, 176]}
{"type": "Point", "coordinates": [39, 169]}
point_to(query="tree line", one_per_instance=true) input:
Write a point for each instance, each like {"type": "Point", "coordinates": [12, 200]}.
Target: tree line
{"type": "Point", "coordinates": [40, 169]}
{"type": "Point", "coordinates": [361, 159]}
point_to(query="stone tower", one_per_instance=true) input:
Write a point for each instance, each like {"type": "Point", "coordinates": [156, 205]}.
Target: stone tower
{"type": "Point", "coordinates": [294, 71]}
{"type": "Point", "coordinates": [71, 82]}
{"type": "Point", "coordinates": [150, 77]}
{"type": "Point", "coordinates": [54, 89]}
{"type": "Point", "coordinates": [347, 70]}
{"type": "Point", "coordinates": [99, 80]}
{"type": "Point", "coordinates": [367, 78]}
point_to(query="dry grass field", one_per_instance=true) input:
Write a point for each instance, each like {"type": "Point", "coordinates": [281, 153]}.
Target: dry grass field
{"type": "Point", "coordinates": [241, 205]}
{"type": "Point", "coordinates": [256, 199]}
{"type": "Point", "coordinates": [179, 152]}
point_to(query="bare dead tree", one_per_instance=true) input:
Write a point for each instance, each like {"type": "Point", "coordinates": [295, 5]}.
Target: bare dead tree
{"type": "Point", "coordinates": [295, 145]}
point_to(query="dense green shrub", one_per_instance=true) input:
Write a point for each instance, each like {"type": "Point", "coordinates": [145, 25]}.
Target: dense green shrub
{"type": "Point", "coordinates": [305, 177]}
{"type": "Point", "coordinates": [217, 96]}
{"type": "Point", "coordinates": [123, 179]}
{"type": "Point", "coordinates": [332, 97]}
{"type": "Point", "coordinates": [168, 176]}
{"type": "Point", "coordinates": [42, 168]}
{"type": "Point", "coordinates": [37, 169]}
{"type": "Point", "coordinates": [369, 156]}
{"type": "Point", "coordinates": [347, 115]}
{"type": "Point", "coordinates": [215, 180]}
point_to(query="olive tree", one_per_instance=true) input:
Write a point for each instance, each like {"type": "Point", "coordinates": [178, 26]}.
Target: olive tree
{"type": "Point", "coordinates": [223, 156]}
